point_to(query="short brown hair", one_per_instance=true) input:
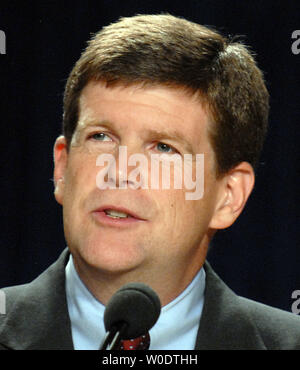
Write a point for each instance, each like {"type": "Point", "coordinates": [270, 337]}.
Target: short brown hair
{"type": "Point", "coordinates": [163, 49]}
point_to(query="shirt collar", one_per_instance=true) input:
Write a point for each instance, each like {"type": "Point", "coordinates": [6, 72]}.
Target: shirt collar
{"type": "Point", "coordinates": [176, 327]}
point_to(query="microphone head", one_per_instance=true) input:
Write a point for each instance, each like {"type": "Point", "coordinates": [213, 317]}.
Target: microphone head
{"type": "Point", "coordinates": [135, 304]}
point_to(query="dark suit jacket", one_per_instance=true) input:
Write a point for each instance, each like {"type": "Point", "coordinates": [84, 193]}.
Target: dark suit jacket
{"type": "Point", "coordinates": [37, 317]}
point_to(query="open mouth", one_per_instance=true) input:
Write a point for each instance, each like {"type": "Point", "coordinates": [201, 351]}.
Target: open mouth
{"type": "Point", "coordinates": [116, 214]}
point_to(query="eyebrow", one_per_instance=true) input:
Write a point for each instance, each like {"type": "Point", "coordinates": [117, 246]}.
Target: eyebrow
{"type": "Point", "coordinates": [159, 135]}
{"type": "Point", "coordinates": [103, 123]}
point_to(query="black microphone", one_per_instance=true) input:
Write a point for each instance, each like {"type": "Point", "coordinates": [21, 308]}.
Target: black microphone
{"type": "Point", "coordinates": [130, 313]}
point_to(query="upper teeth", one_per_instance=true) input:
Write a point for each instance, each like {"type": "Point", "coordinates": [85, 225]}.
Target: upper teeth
{"type": "Point", "coordinates": [115, 214]}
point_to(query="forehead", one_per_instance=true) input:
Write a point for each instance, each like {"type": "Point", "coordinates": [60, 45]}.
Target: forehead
{"type": "Point", "coordinates": [139, 107]}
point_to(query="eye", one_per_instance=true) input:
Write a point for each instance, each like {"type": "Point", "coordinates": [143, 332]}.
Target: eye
{"type": "Point", "coordinates": [100, 136]}
{"type": "Point", "coordinates": [165, 148]}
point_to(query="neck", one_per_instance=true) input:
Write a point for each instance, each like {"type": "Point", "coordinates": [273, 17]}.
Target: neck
{"type": "Point", "coordinates": [168, 283]}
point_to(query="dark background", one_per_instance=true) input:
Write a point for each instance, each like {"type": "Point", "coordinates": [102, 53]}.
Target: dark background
{"type": "Point", "coordinates": [258, 257]}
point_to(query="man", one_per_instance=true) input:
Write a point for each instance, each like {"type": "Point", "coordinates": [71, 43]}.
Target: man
{"type": "Point", "coordinates": [160, 87]}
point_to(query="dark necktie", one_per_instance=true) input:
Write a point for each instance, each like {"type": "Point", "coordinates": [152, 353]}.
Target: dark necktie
{"type": "Point", "coordinates": [140, 343]}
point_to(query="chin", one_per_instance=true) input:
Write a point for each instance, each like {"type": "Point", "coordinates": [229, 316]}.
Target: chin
{"type": "Point", "coordinates": [108, 259]}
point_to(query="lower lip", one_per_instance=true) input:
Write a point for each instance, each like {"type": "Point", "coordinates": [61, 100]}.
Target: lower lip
{"type": "Point", "coordinates": [102, 218]}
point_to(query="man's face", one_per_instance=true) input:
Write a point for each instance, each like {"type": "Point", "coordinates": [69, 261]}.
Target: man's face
{"type": "Point", "coordinates": [165, 233]}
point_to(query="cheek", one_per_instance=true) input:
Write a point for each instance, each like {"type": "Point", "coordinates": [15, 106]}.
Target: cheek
{"type": "Point", "coordinates": [80, 181]}
{"type": "Point", "coordinates": [81, 171]}
{"type": "Point", "coordinates": [186, 216]}
{"type": "Point", "coordinates": [175, 210]}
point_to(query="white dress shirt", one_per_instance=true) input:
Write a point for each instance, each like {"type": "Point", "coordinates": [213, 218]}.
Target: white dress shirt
{"type": "Point", "coordinates": [176, 328]}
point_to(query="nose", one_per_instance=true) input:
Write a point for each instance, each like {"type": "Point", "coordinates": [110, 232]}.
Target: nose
{"type": "Point", "coordinates": [131, 169]}
{"type": "Point", "coordinates": [127, 169]}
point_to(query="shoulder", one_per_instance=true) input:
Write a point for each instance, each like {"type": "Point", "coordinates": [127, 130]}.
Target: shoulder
{"type": "Point", "coordinates": [241, 323]}
{"type": "Point", "coordinates": [36, 314]}
{"type": "Point", "coordinates": [279, 329]}
{"type": "Point", "coordinates": [42, 289]}
{"type": "Point", "coordinates": [11, 296]}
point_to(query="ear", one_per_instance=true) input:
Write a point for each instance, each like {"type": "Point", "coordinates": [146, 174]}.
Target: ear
{"type": "Point", "coordinates": [234, 190]}
{"type": "Point", "coordinates": [60, 164]}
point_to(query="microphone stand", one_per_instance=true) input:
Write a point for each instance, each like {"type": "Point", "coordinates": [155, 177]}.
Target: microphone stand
{"type": "Point", "coordinates": [114, 337]}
